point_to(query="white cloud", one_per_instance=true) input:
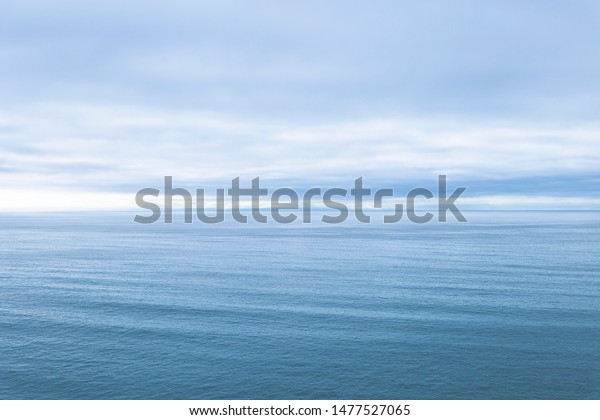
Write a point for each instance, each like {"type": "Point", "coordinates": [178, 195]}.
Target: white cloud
{"type": "Point", "coordinates": [108, 150]}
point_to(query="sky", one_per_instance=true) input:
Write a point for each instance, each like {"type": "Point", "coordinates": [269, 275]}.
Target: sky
{"type": "Point", "coordinates": [100, 100]}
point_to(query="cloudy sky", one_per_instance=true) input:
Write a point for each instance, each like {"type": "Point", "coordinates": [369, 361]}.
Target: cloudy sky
{"type": "Point", "coordinates": [99, 100]}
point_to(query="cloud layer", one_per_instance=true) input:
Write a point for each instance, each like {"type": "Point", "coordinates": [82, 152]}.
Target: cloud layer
{"type": "Point", "coordinates": [108, 98]}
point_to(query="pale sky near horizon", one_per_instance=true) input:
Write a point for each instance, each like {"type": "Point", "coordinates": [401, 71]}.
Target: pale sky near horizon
{"type": "Point", "coordinates": [100, 100]}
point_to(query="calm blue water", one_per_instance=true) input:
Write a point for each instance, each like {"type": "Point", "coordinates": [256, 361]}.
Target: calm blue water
{"type": "Point", "coordinates": [505, 307]}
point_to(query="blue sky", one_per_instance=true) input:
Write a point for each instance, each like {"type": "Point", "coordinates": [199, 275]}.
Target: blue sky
{"type": "Point", "coordinates": [100, 100]}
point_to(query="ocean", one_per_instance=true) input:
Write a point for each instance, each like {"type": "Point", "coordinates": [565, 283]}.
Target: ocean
{"type": "Point", "coordinates": [95, 306]}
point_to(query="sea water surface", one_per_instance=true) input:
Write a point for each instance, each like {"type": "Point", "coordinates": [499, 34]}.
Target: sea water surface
{"type": "Point", "coordinates": [94, 306]}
